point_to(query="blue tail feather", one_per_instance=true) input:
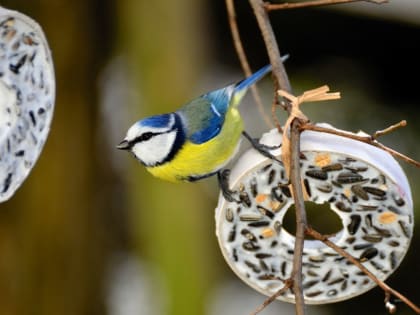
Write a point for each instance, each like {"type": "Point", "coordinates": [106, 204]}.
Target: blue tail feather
{"type": "Point", "coordinates": [245, 83]}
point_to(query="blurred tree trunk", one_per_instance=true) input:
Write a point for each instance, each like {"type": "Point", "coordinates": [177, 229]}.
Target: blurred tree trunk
{"type": "Point", "coordinates": [52, 239]}
{"type": "Point", "coordinates": [165, 41]}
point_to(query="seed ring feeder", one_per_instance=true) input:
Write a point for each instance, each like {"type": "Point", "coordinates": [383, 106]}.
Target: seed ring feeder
{"type": "Point", "coordinates": [362, 184]}
{"type": "Point", "coordinates": [27, 93]}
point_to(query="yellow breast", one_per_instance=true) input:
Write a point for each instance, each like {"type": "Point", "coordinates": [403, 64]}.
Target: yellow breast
{"type": "Point", "coordinates": [197, 160]}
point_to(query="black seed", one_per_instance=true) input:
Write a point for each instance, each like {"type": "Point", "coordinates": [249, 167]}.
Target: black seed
{"type": "Point", "coordinates": [307, 187]}
{"type": "Point", "coordinates": [344, 286]}
{"type": "Point", "coordinates": [244, 198]}
{"type": "Point", "coordinates": [290, 251]}
{"type": "Point", "coordinates": [276, 194]}
{"type": "Point", "coordinates": [32, 116]}
{"type": "Point", "coordinates": [274, 243]}
{"type": "Point", "coordinates": [41, 111]}
{"type": "Point", "coordinates": [8, 145]}
{"type": "Point", "coordinates": [266, 277]}
{"type": "Point", "coordinates": [254, 267]}
{"type": "Point", "coordinates": [20, 153]}
{"type": "Point", "coordinates": [368, 254]}
{"type": "Point", "coordinates": [404, 228]}
{"type": "Point", "coordinates": [271, 176]}
{"type": "Point", "coordinates": [285, 190]}
{"type": "Point", "coordinates": [367, 208]}
{"type": "Point", "coordinates": [362, 246]}
{"type": "Point", "coordinates": [336, 184]}
{"type": "Point", "coordinates": [332, 199]}
{"type": "Point", "coordinates": [332, 292]}
{"type": "Point", "coordinates": [350, 240]}
{"type": "Point", "coordinates": [335, 281]}
{"type": "Point", "coordinates": [374, 191]}
{"type": "Point", "coordinates": [263, 265]}
{"type": "Point", "coordinates": [259, 224]}
{"type": "Point", "coordinates": [229, 215]}
{"type": "Point", "coordinates": [376, 265]}
{"type": "Point", "coordinates": [327, 275]}
{"type": "Point", "coordinates": [16, 67]}
{"type": "Point", "coordinates": [312, 273]}
{"type": "Point", "coordinates": [249, 217]}
{"type": "Point", "coordinates": [317, 174]}
{"type": "Point", "coordinates": [360, 192]}
{"type": "Point", "coordinates": [265, 212]}
{"type": "Point", "coordinates": [354, 224]}
{"type": "Point", "coordinates": [342, 207]}
{"type": "Point", "coordinates": [393, 243]}
{"type": "Point", "coordinates": [383, 232]}
{"type": "Point", "coordinates": [309, 284]}
{"type": "Point", "coordinates": [332, 167]}
{"type": "Point", "coordinates": [398, 200]}
{"type": "Point", "coordinates": [317, 259]}
{"type": "Point", "coordinates": [7, 182]}
{"type": "Point", "coordinates": [283, 268]}
{"type": "Point", "coordinates": [393, 260]}
{"type": "Point", "coordinates": [368, 220]}
{"type": "Point", "coordinates": [277, 226]}
{"type": "Point", "coordinates": [313, 294]}
{"type": "Point", "coordinates": [232, 234]}
{"type": "Point", "coordinates": [357, 169]}
{"type": "Point", "coordinates": [250, 246]}
{"type": "Point", "coordinates": [263, 255]}
{"type": "Point", "coordinates": [393, 209]}
{"type": "Point", "coordinates": [235, 255]}
{"type": "Point", "coordinates": [373, 238]}
{"type": "Point", "coordinates": [327, 188]}
{"type": "Point", "coordinates": [248, 235]}
{"type": "Point", "coordinates": [349, 178]}
{"type": "Point", "coordinates": [266, 168]}
{"type": "Point", "coordinates": [254, 190]}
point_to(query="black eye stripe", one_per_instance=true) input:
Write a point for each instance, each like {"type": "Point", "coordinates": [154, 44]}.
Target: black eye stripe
{"type": "Point", "coordinates": [148, 135]}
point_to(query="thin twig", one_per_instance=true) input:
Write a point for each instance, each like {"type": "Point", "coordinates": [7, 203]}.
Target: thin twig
{"type": "Point", "coordinates": [243, 59]}
{"type": "Point", "coordinates": [282, 79]}
{"type": "Point", "coordinates": [314, 3]}
{"type": "Point", "coordinates": [392, 128]}
{"type": "Point", "coordinates": [367, 139]}
{"type": "Point", "coordinates": [387, 289]}
{"type": "Point", "coordinates": [287, 285]}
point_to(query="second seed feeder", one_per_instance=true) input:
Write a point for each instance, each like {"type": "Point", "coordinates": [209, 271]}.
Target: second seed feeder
{"type": "Point", "coordinates": [362, 184]}
{"type": "Point", "coordinates": [27, 95]}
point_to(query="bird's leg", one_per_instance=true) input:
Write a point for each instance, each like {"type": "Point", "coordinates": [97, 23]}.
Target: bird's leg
{"type": "Point", "coordinates": [223, 179]}
{"type": "Point", "coordinates": [262, 148]}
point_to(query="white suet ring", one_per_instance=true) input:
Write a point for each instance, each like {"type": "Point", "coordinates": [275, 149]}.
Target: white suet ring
{"type": "Point", "coordinates": [27, 95]}
{"type": "Point", "coordinates": [362, 184]}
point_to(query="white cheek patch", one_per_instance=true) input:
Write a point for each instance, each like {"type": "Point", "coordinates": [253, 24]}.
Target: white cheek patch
{"type": "Point", "coordinates": [156, 149]}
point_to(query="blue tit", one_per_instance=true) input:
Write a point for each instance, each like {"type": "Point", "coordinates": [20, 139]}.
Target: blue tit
{"type": "Point", "coordinates": [197, 140]}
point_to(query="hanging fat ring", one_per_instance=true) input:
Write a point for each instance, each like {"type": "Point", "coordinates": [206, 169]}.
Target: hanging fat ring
{"type": "Point", "coordinates": [362, 184]}
{"type": "Point", "coordinates": [27, 94]}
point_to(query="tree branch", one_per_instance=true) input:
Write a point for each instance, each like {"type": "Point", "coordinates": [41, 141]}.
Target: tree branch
{"type": "Point", "coordinates": [387, 289]}
{"type": "Point", "coordinates": [314, 3]}
{"type": "Point", "coordinates": [367, 139]}
{"type": "Point", "coordinates": [243, 59]}
{"type": "Point", "coordinates": [282, 80]}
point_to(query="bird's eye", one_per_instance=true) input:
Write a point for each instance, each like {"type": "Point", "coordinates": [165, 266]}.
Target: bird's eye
{"type": "Point", "coordinates": [146, 136]}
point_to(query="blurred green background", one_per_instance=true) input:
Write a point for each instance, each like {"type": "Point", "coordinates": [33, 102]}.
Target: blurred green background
{"type": "Point", "coordinates": [90, 232]}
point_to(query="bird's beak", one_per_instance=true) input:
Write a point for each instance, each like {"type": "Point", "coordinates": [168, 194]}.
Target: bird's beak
{"type": "Point", "coordinates": [124, 145]}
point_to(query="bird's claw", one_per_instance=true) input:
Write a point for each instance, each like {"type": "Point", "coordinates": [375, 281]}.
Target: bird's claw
{"type": "Point", "coordinates": [223, 179]}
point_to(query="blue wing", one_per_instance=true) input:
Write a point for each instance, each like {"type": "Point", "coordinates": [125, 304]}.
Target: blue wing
{"type": "Point", "coordinates": [204, 116]}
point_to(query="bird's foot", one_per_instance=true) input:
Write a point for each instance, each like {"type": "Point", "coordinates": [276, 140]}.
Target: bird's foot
{"type": "Point", "coordinates": [262, 148]}
{"type": "Point", "coordinates": [223, 179]}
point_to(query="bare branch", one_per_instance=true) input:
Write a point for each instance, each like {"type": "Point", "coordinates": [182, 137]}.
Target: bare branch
{"type": "Point", "coordinates": [287, 285]}
{"type": "Point", "coordinates": [367, 139]}
{"type": "Point", "coordinates": [314, 3]}
{"type": "Point", "coordinates": [387, 289]}
{"type": "Point", "coordinates": [392, 128]}
{"type": "Point", "coordinates": [282, 80]}
{"type": "Point", "coordinates": [243, 59]}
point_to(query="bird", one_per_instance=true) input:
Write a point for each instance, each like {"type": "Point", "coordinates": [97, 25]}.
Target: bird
{"type": "Point", "coordinates": [197, 140]}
